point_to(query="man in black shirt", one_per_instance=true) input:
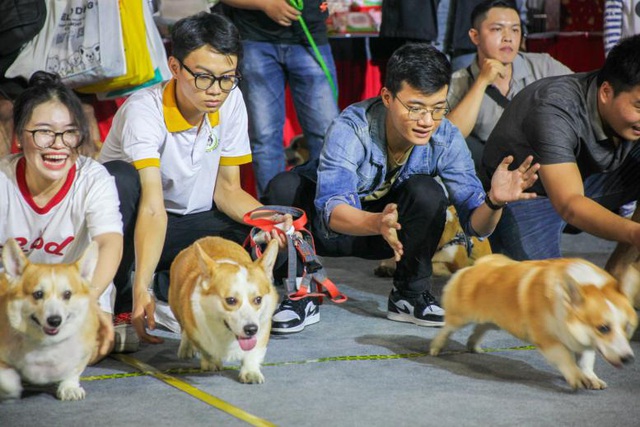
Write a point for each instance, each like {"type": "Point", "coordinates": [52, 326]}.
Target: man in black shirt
{"type": "Point", "coordinates": [583, 129]}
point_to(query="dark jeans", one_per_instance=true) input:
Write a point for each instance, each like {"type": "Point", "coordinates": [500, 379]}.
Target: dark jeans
{"type": "Point", "coordinates": [422, 206]}
{"type": "Point", "coordinates": [182, 231]}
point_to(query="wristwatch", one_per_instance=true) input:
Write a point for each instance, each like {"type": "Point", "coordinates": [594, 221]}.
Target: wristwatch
{"type": "Point", "coordinates": [492, 205]}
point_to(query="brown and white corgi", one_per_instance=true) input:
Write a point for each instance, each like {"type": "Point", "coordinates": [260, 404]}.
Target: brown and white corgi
{"type": "Point", "coordinates": [224, 302]}
{"type": "Point", "coordinates": [49, 323]}
{"type": "Point", "coordinates": [568, 308]}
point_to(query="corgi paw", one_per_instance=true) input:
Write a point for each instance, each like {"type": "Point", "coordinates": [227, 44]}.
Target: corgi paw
{"type": "Point", "coordinates": [589, 382]}
{"type": "Point", "coordinates": [251, 377]}
{"type": "Point", "coordinates": [594, 383]}
{"type": "Point", "coordinates": [210, 365]}
{"type": "Point", "coordinates": [10, 384]}
{"type": "Point", "coordinates": [474, 348]}
{"type": "Point", "coordinates": [434, 350]}
{"type": "Point", "coordinates": [70, 393]}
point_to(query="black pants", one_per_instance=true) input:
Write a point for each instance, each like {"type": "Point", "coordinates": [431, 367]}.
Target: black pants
{"type": "Point", "coordinates": [182, 231]}
{"type": "Point", "coordinates": [422, 206]}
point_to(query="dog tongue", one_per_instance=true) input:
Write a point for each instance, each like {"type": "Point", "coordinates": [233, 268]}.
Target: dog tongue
{"type": "Point", "coordinates": [247, 343]}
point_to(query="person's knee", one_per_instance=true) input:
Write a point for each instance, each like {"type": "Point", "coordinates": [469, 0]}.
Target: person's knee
{"type": "Point", "coordinates": [427, 195]}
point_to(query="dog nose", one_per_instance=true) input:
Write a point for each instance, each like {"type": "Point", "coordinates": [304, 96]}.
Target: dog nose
{"type": "Point", "coordinates": [251, 330]}
{"type": "Point", "coordinates": [627, 359]}
{"type": "Point", "coordinates": [54, 321]}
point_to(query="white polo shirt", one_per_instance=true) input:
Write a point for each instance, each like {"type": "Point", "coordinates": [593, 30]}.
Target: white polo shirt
{"type": "Point", "coordinates": [86, 206]}
{"type": "Point", "coordinates": [149, 130]}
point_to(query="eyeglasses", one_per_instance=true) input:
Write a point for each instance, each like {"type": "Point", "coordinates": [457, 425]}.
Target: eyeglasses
{"type": "Point", "coordinates": [204, 81]}
{"type": "Point", "coordinates": [420, 113]}
{"type": "Point", "coordinates": [46, 138]}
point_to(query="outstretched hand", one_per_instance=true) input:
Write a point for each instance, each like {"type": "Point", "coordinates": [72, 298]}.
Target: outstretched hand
{"type": "Point", "coordinates": [389, 227]}
{"type": "Point", "coordinates": [509, 185]}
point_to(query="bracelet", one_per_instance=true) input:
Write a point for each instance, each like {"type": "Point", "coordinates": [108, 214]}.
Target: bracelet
{"type": "Point", "coordinates": [492, 205]}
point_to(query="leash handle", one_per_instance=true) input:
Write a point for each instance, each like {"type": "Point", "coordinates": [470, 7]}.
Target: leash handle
{"type": "Point", "coordinates": [262, 217]}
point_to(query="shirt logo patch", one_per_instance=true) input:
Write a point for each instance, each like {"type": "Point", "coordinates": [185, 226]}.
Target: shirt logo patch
{"type": "Point", "coordinates": [213, 141]}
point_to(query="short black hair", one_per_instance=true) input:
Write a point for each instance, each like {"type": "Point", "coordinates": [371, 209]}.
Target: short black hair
{"type": "Point", "coordinates": [213, 29]}
{"type": "Point", "coordinates": [479, 13]}
{"type": "Point", "coordinates": [622, 66]}
{"type": "Point", "coordinates": [421, 66]}
{"type": "Point", "coordinates": [44, 87]}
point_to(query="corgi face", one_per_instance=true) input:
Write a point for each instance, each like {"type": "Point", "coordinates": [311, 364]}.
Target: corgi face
{"type": "Point", "coordinates": [46, 302]}
{"type": "Point", "coordinates": [240, 295]}
{"type": "Point", "coordinates": [605, 324]}
{"type": "Point", "coordinates": [601, 315]}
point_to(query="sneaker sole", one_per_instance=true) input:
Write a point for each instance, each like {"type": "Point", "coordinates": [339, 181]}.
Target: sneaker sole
{"type": "Point", "coordinates": [406, 318]}
{"type": "Point", "coordinates": [309, 320]}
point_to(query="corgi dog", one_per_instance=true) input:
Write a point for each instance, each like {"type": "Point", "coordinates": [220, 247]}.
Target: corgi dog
{"type": "Point", "coordinates": [49, 323]}
{"type": "Point", "coordinates": [224, 302]}
{"type": "Point", "coordinates": [568, 308]}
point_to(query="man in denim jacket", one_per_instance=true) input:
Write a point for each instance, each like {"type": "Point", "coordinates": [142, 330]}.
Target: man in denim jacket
{"type": "Point", "coordinates": [389, 168]}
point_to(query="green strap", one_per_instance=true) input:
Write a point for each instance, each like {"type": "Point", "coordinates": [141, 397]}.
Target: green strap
{"type": "Point", "coordinates": [299, 4]}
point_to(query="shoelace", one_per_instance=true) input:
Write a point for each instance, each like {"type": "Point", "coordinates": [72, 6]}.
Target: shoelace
{"type": "Point", "coordinates": [122, 318]}
{"type": "Point", "coordinates": [429, 299]}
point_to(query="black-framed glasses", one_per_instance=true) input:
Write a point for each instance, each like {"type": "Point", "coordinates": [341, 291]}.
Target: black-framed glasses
{"type": "Point", "coordinates": [417, 113]}
{"type": "Point", "coordinates": [204, 81]}
{"type": "Point", "coordinates": [44, 138]}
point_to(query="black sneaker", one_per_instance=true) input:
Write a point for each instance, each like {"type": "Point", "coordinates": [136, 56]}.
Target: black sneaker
{"type": "Point", "coordinates": [292, 316]}
{"type": "Point", "coordinates": [423, 311]}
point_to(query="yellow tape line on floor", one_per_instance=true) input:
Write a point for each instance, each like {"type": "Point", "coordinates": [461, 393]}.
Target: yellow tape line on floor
{"type": "Point", "coordinates": [183, 371]}
{"type": "Point", "coordinates": [193, 391]}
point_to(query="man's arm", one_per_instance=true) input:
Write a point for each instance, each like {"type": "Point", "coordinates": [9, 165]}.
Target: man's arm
{"type": "Point", "coordinates": [230, 197]}
{"type": "Point", "coordinates": [150, 231]}
{"type": "Point", "coordinates": [564, 186]}
{"type": "Point", "coordinates": [465, 114]}
{"type": "Point", "coordinates": [109, 255]}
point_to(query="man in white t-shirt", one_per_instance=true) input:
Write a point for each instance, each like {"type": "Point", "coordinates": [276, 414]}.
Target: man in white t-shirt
{"type": "Point", "coordinates": [175, 150]}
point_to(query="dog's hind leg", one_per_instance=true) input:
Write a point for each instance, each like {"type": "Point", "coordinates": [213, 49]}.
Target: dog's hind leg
{"type": "Point", "coordinates": [209, 362]}
{"type": "Point", "coordinates": [10, 384]}
{"type": "Point", "coordinates": [473, 343]}
{"type": "Point", "coordinates": [586, 361]}
{"type": "Point", "coordinates": [441, 339]}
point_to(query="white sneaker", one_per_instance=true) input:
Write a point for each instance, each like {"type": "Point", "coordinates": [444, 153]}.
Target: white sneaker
{"type": "Point", "coordinates": [163, 315]}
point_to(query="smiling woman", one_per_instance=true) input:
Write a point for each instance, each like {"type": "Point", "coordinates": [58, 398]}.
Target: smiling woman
{"type": "Point", "coordinates": [53, 201]}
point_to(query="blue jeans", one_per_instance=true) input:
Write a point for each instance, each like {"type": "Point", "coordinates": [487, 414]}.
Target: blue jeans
{"type": "Point", "coordinates": [531, 229]}
{"type": "Point", "coordinates": [266, 68]}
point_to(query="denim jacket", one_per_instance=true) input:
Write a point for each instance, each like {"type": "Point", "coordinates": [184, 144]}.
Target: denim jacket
{"type": "Point", "coordinates": [353, 163]}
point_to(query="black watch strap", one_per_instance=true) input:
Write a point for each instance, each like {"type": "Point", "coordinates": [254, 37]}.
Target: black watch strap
{"type": "Point", "coordinates": [492, 205]}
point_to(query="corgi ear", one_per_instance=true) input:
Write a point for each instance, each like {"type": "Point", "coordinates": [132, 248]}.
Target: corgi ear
{"type": "Point", "coordinates": [268, 258]}
{"type": "Point", "coordinates": [13, 259]}
{"type": "Point", "coordinates": [630, 283]}
{"type": "Point", "coordinates": [88, 262]}
{"type": "Point", "coordinates": [572, 291]}
{"type": "Point", "coordinates": [205, 263]}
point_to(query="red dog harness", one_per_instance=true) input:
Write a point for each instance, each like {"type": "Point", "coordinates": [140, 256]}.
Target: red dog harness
{"type": "Point", "coordinates": [299, 244]}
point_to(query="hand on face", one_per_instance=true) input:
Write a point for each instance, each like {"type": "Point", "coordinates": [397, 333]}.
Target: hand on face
{"type": "Point", "coordinates": [491, 69]}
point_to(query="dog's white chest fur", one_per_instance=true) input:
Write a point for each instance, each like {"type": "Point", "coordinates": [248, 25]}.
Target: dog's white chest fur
{"type": "Point", "coordinates": [40, 364]}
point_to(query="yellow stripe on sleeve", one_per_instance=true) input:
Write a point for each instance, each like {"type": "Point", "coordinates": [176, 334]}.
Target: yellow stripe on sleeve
{"type": "Point", "coordinates": [146, 163]}
{"type": "Point", "coordinates": [235, 161]}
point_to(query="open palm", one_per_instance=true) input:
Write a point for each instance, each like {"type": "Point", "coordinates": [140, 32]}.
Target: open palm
{"type": "Point", "coordinates": [509, 185]}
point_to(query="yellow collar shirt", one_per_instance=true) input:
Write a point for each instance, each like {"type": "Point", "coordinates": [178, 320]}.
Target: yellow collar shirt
{"type": "Point", "coordinates": [149, 131]}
